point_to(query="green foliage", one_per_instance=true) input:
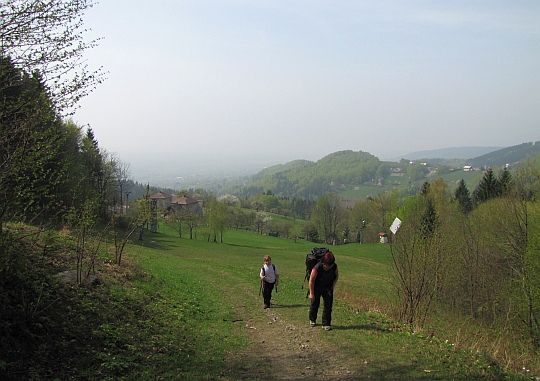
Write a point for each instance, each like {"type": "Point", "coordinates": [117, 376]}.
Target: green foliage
{"type": "Point", "coordinates": [357, 175]}
{"type": "Point", "coordinates": [492, 186]}
{"type": "Point", "coordinates": [531, 280]}
{"type": "Point", "coordinates": [177, 319]}
{"type": "Point", "coordinates": [416, 254]}
{"type": "Point", "coordinates": [463, 197]}
{"type": "Point", "coordinates": [49, 38]}
{"type": "Point", "coordinates": [122, 230]}
{"type": "Point", "coordinates": [483, 268]}
{"type": "Point", "coordinates": [509, 155]}
{"type": "Point", "coordinates": [328, 216]}
{"type": "Point", "coordinates": [32, 163]}
{"type": "Point", "coordinates": [308, 180]}
{"type": "Point", "coordinates": [217, 219]}
{"type": "Point", "coordinates": [416, 172]}
{"type": "Point", "coordinates": [488, 187]}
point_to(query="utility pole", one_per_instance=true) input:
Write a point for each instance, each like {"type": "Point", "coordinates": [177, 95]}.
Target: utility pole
{"type": "Point", "coordinates": [127, 200]}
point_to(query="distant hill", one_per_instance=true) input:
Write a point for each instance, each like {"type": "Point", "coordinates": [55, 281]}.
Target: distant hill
{"type": "Point", "coordinates": [269, 171]}
{"type": "Point", "coordinates": [348, 170]}
{"type": "Point", "coordinates": [450, 153]}
{"type": "Point", "coordinates": [509, 155]}
{"type": "Point", "coordinates": [309, 180]}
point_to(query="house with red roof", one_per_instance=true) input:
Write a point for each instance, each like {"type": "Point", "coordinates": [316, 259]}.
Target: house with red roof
{"type": "Point", "coordinates": [166, 201]}
{"type": "Point", "coordinates": [187, 203]}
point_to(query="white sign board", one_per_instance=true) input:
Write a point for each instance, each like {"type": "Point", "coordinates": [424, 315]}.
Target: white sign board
{"type": "Point", "coordinates": [395, 225]}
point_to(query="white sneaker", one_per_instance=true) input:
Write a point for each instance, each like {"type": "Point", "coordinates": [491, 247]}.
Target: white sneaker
{"type": "Point", "coordinates": [327, 327]}
{"type": "Point", "coordinates": [312, 324]}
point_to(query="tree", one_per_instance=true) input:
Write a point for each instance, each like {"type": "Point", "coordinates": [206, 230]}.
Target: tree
{"type": "Point", "coordinates": [183, 217]}
{"type": "Point", "coordinates": [99, 171]}
{"type": "Point", "coordinates": [262, 220]}
{"type": "Point", "coordinates": [33, 162]}
{"type": "Point", "coordinates": [229, 199]}
{"type": "Point", "coordinates": [328, 214]}
{"type": "Point", "coordinates": [487, 188]}
{"type": "Point", "coordinates": [122, 176]}
{"type": "Point", "coordinates": [217, 219]}
{"type": "Point", "coordinates": [430, 220]}
{"type": "Point", "coordinates": [505, 182]}
{"type": "Point", "coordinates": [257, 205]}
{"type": "Point", "coordinates": [416, 252]}
{"type": "Point", "coordinates": [416, 171]}
{"type": "Point", "coordinates": [191, 219]}
{"type": "Point", "coordinates": [48, 37]}
{"type": "Point", "coordinates": [463, 197]}
{"type": "Point", "coordinates": [121, 240]}
{"type": "Point", "coordinates": [381, 210]}
{"type": "Point", "coordinates": [87, 239]}
{"type": "Point", "coordinates": [269, 201]}
{"type": "Point", "coordinates": [295, 232]}
{"type": "Point", "coordinates": [515, 221]}
{"type": "Point", "coordinates": [175, 221]}
{"type": "Point", "coordinates": [311, 232]}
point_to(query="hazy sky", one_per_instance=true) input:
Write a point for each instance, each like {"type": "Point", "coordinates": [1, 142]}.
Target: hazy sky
{"type": "Point", "coordinates": [299, 79]}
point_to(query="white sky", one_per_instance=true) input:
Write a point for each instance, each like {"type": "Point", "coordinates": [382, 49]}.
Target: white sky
{"type": "Point", "coordinates": [299, 79]}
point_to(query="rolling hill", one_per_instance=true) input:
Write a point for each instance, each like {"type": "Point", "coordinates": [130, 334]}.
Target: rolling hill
{"type": "Point", "coordinates": [360, 173]}
{"type": "Point", "coordinates": [451, 153]}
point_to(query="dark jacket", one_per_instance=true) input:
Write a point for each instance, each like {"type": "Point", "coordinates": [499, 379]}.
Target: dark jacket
{"type": "Point", "coordinates": [325, 279]}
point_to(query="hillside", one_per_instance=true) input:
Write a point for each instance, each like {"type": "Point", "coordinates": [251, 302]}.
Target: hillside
{"type": "Point", "coordinates": [182, 309]}
{"type": "Point", "coordinates": [509, 155]}
{"type": "Point", "coordinates": [360, 173]}
{"type": "Point", "coordinates": [451, 153]}
{"type": "Point", "coordinates": [306, 179]}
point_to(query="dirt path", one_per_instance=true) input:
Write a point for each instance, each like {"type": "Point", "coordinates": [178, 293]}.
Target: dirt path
{"type": "Point", "coordinates": [286, 350]}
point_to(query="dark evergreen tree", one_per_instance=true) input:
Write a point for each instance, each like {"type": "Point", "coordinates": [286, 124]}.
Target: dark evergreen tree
{"type": "Point", "coordinates": [487, 188]}
{"type": "Point", "coordinates": [430, 219]}
{"type": "Point", "coordinates": [98, 170]}
{"type": "Point", "coordinates": [463, 196]}
{"type": "Point", "coordinates": [32, 141]}
{"type": "Point", "coordinates": [91, 165]}
{"type": "Point", "coordinates": [506, 181]}
{"type": "Point", "coordinates": [425, 188]}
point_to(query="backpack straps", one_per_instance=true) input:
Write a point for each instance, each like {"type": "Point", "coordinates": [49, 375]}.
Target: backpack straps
{"type": "Point", "coordinates": [264, 272]}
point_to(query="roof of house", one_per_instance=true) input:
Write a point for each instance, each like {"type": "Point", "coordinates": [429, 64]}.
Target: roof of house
{"type": "Point", "coordinates": [160, 196]}
{"type": "Point", "coordinates": [185, 201]}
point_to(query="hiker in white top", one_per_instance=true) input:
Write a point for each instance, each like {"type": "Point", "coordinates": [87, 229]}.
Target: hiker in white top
{"type": "Point", "coordinates": [269, 278]}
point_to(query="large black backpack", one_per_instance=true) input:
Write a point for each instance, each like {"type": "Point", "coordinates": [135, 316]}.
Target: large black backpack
{"type": "Point", "coordinates": [316, 256]}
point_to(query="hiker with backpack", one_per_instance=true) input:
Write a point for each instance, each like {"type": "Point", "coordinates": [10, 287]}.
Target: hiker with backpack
{"type": "Point", "coordinates": [269, 278]}
{"type": "Point", "coordinates": [322, 281]}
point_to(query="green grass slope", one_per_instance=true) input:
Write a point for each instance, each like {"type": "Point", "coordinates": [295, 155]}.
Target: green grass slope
{"type": "Point", "coordinates": [218, 278]}
{"type": "Point", "coordinates": [177, 310]}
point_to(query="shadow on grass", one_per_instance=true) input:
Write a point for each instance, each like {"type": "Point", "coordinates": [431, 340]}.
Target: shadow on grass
{"type": "Point", "coordinates": [247, 246]}
{"type": "Point", "coordinates": [390, 372]}
{"type": "Point", "coordinates": [154, 241]}
{"type": "Point", "coordinates": [360, 327]}
{"type": "Point", "coordinates": [152, 245]}
{"type": "Point", "coordinates": [287, 305]}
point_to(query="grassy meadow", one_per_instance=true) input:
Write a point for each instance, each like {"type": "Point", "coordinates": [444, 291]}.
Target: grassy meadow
{"type": "Point", "coordinates": [193, 297]}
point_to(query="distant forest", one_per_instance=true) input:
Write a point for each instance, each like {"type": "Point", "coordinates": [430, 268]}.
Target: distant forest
{"type": "Point", "coordinates": [339, 171]}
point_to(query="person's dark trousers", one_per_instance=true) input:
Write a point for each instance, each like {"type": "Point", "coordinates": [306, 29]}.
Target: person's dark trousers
{"type": "Point", "coordinates": [328, 300]}
{"type": "Point", "coordinates": [267, 293]}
